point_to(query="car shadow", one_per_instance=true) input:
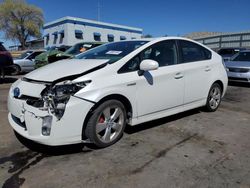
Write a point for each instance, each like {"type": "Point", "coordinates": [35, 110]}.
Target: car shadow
{"type": "Point", "coordinates": [88, 147]}
{"type": "Point", "coordinates": [239, 84]}
{"type": "Point", "coordinates": [55, 150]}
{"type": "Point", "coordinates": [7, 80]}
{"type": "Point", "coordinates": [159, 122]}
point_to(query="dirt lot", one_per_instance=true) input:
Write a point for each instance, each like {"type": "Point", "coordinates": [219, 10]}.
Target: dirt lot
{"type": "Point", "coordinates": [192, 149]}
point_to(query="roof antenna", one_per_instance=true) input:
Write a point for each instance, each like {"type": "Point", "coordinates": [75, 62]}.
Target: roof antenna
{"type": "Point", "coordinates": [98, 11]}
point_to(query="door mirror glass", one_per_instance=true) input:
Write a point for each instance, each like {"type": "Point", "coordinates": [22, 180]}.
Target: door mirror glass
{"type": "Point", "coordinates": [148, 64]}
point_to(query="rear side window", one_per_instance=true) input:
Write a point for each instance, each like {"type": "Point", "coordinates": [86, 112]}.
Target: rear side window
{"type": "Point", "coordinates": [2, 48]}
{"type": "Point", "coordinates": [191, 52]}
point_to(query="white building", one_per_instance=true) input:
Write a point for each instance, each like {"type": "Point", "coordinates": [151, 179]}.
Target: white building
{"type": "Point", "coordinates": [70, 30]}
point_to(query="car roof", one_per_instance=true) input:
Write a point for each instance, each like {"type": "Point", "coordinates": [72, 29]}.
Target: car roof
{"type": "Point", "coordinates": [248, 50]}
{"type": "Point", "coordinates": [161, 38]}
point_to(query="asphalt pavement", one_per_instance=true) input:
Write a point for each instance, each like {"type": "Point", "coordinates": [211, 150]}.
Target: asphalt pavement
{"type": "Point", "coordinates": [191, 149]}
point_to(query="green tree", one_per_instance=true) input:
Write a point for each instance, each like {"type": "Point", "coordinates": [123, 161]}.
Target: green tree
{"type": "Point", "coordinates": [20, 21]}
{"type": "Point", "coordinates": [147, 36]}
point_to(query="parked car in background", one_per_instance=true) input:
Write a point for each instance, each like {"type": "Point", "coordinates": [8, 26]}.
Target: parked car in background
{"type": "Point", "coordinates": [91, 98]}
{"type": "Point", "coordinates": [6, 61]}
{"type": "Point", "coordinates": [42, 59]}
{"type": "Point", "coordinates": [227, 53]}
{"type": "Point", "coordinates": [26, 61]}
{"type": "Point", "coordinates": [238, 69]}
{"type": "Point", "coordinates": [69, 53]}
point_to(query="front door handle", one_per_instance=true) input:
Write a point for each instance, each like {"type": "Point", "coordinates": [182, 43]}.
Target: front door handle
{"type": "Point", "coordinates": [131, 84]}
{"type": "Point", "coordinates": [178, 75]}
{"type": "Point", "coordinates": [207, 68]}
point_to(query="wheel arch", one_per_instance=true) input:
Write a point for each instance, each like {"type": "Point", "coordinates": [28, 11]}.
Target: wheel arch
{"type": "Point", "coordinates": [220, 84]}
{"type": "Point", "coordinates": [18, 66]}
{"type": "Point", "coordinates": [124, 100]}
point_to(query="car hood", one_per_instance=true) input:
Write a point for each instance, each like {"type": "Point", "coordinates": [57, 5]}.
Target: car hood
{"type": "Point", "coordinates": [238, 64]}
{"type": "Point", "coordinates": [65, 69]}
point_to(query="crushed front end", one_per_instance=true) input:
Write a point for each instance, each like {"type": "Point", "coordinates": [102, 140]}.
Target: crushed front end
{"type": "Point", "coordinates": [48, 113]}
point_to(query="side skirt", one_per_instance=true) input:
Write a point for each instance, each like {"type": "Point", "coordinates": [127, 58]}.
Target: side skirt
{"type": "Point", "coordinates": [167, 112]}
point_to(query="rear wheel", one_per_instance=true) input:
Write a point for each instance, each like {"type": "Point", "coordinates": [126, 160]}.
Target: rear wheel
{"type": "Point", "coordinates": [107, 123]}
{"type": "Point", "coordinates": [214, 98]}
{"type": "Point", "coordinates": [16, 70]}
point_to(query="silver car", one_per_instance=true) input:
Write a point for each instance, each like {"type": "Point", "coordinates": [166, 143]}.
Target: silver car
{"type": "Point", "coordinates": [238, 69]}
{"type": "Point", "coordinates": [25, 62]}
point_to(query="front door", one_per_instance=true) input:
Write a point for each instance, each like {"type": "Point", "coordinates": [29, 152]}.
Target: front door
{"type": "Point", "coordinates": [161, 89]}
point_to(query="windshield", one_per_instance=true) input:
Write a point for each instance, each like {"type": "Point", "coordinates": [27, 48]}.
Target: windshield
{"type": "Point", "coordinates": [24, 55]}
{"type": "Point", "coordinates": [78, 48]}
{"type": "Point", "coordinates": [242, 56]}
{"type": "Point", "coordinates": [112, 51]}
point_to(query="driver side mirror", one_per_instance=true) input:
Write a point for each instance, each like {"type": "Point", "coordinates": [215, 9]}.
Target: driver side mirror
{"type": "Point", "coordinates": [149, 64]}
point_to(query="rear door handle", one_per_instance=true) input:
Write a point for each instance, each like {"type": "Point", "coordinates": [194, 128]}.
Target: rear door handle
{"type": "Point", "coordinates": [178, 75]}
{"type": "Point", "coordinates": [207, 68]}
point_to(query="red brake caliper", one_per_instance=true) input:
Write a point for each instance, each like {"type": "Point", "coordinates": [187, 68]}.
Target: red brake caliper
{"type": "Point", "coordinates": [101, 119]}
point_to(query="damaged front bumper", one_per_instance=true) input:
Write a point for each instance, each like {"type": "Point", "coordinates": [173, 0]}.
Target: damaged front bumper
{"type": "Point", "coordinates": [42, 126]}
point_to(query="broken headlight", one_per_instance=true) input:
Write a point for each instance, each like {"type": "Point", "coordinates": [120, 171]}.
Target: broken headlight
{"type": "Point", "coordinates": [56, 97]}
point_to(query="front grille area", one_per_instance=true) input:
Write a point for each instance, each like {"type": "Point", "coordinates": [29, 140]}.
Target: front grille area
{"type": "Point", "coordinates": [240, 70]}
{"type": "Point", "coordinates": [18, 121]}
{"type": "Point", "coordinates": [33, 101]}
{"type": "Point", "coordinates": [238, 79]}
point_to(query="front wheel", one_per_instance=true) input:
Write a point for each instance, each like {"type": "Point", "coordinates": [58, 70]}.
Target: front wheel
{"type": "Point", "coordinates": [214, 98]}
{"type": "Point", "coordinates": [2, 73]}
{"type": "Point", "coordinates": [107, 123]}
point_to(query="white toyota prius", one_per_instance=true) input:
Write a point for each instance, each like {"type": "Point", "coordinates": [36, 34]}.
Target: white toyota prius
{"type": "Point", "coordinates": [93, 97]}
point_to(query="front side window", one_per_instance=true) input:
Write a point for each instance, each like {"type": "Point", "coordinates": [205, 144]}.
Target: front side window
{"type": "Point", "coordinates": [191, 52]}
{"type": "Point", "coordinates": [165, 53]}
{"type": "Point", "coordinates": [112, 51]}
{"type": "Point", "coordinates": [33, 55]}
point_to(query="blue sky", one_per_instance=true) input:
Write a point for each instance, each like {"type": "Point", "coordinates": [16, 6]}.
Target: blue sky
{"type": "Point", "coordinates": [156, 17]}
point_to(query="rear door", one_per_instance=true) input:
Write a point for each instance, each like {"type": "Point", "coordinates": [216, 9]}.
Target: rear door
{"type": "Point", "coordinates": [197, 69]}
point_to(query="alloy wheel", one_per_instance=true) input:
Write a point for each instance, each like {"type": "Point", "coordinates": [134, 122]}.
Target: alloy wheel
{"type": "Point", "coordinates": [110, 124]}
{"type": "Point", "coordinates": [214, 97]}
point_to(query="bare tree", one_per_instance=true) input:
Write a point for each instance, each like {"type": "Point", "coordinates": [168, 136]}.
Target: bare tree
{"type": "Point", "coordinates": [19, 20]}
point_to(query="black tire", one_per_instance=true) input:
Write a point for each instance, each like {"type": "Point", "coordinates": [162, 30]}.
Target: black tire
{"type": "Point", "coordinates": [2, 73]}
{"type": "Point", "coordinates": [213, 102]}
{"type": "Point", "coordinates": [16, 70]}
{"type": "Point", "coordinates": [100, 118]}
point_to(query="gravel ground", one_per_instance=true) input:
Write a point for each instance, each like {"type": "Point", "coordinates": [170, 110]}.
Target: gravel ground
{"type": "Point", "coordinates": [191, 149]}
